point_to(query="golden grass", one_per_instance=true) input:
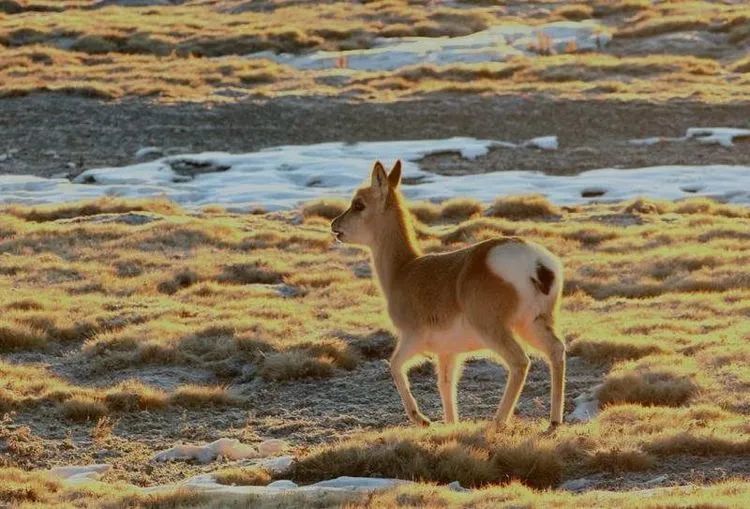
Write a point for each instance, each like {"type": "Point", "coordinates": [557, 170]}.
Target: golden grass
{"type": "Point", "coordinates": [195, 51]}
{"type": "Point", "coordinates": [197, 396]}
{"type": "Point", "coordinates": [523, 207]}
{"type": "Point", "coordinates": [460, 209]}
{"type": "Point", "coordinates": [727, 494]}
{"type": "Point", "coordinates": [27, 388]}
{"type": "Point", "coordinates": [624, 438]}
{"type": "Point", "coordinates": [18, 486]}
{"type": "Point", "coordinates": [42, 213]}
{"type": "Point", "coordinates": [327, 208]}
{"type": "Point", "coordinates": [655, 294]}
{"type": "Point", "coordinates": [470, 454]}
{"type": "Point", "coordinates": [243, 476]}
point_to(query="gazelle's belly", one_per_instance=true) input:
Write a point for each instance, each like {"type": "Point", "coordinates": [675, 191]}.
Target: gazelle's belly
{"type": "Point", "coordinates": [458, 338]}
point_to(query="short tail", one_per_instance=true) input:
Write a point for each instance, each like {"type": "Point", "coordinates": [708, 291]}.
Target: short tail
{"type": "Point", "coordinates": [544, 278]}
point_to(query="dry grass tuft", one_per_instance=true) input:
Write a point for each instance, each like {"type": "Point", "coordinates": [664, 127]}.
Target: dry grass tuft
{"type": "Point", "coordinates": [249, 274]}
{"type": "Point", "coordinates": [646, 206]}
{"type": "Point", "coordinates": [20, 337]}
{"type": "Point", "coordinates": [621, 460]}
{"type": "Point", "coordinates": [742, 65]}
{"type": "Point", "coordinates": [182, 279]}
{"type": "Point", "coordinates": [469, 454]}
{"type": "Point", "coordinates": [649, 383]}
{"type": "Point", "coordinates": [18, 487]}
{"type": "Point", "coordinates": [84, 408]}
{"type": "Point", "coordinates": [243, 476]}
{"type": "Point", "coordinates": [614, 349]}
{"type": "Point", "coordinates": [533, 206]}
{"type": "Point", "coordinates": [460, 209]}
{"type": "Point", "coordinates": [133, 395]}
{"type": "Point", "coordinates": [310, 360]}
{"type": "Point", "coordinates": [54, 212]}
{"type": "Point", "coordinates": [425, 211]}
{"type": "Point", "coordinates": [574, 12]}
{"type": "Point", "coordinates": [197, 396]}
{"type": "Point", "coordinates": [327, 208]}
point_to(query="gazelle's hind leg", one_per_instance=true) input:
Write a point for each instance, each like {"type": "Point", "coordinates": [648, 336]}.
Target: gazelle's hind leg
{"type": "Point", "coordinates": [502, 342]}
{"type": "Point", "coordinates": [400, 363]}
{"type": "Point", "coordinates": [448, 371]}
{"type": "Point", "coordinates": [541, 335]}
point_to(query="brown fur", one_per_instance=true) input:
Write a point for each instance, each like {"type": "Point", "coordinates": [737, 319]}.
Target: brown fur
{"type": "Point", "coordinates": [451, 304]}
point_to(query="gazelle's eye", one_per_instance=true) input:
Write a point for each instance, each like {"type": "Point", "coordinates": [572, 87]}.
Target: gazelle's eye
{"type": "Point", "coordinates": [358, 206]}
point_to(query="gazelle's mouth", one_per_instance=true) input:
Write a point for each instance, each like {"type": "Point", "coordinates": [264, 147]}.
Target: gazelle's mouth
{"type": "Point", "coordinates": [339, 235]}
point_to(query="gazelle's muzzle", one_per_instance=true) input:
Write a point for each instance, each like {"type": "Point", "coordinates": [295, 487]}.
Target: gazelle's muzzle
{"type": "Point", "coordinates": [335, 229]}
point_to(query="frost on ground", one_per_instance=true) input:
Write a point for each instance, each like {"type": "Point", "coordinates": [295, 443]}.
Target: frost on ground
{"type": "Point", "coordinates": [497, 43]}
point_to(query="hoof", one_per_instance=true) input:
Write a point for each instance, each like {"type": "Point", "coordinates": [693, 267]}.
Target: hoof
{"type": "Point", "coordinates": [553, 426]}
{"type": "Point", "coordinates": [420, 420]}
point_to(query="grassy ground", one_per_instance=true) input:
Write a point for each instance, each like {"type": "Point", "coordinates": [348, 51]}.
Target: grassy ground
{"type": "Point", "coordinates": [128, 325]}
{"type": "Point", "coordinates": [194, 51]}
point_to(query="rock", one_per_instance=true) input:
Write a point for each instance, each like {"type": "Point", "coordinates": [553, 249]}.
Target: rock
{"type": "Point", "coordinates": [272, 447]}
{"type": "Point", "coordinates": [282, 484]}
{"type": "Point", "coordinates": [288, 290]}
{"type": "Point", "coordinates": [579, 484]}
{"type": "Point", "coordinates": [587, 407]}
{"type": "Point", "coordinates": [277, 465]}
{"type": "Point", "coordinates": [362, 270]}
{"type": "Point", "coordinates": [657, 480]}
{"type": "Point", "coordinates": [229, 448]}
{"type": "Point", "coordinates": [359, 483]}
{"type": "Point", "coordinates": [75, 473]}
{"type": "Point", "coordinates": [456, 486]}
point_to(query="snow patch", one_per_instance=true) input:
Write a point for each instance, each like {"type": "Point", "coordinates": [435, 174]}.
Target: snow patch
{"type": "Point", "coordinates": [724, 136]}
{"type": "Point", "coordinates": [495, 44]}
{"type": "Point", "coordinates": [543, 142]}
{"type": "Point", "coordinates": [148, 153]}
{"type": "Point", "coordinates": [282, 177]}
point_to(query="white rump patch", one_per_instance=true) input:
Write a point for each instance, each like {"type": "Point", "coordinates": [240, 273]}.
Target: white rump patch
{"type": "Point", "coordinates": [516, 263]}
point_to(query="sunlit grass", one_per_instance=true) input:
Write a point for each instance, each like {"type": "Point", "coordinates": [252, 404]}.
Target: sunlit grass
{"type": "Point", "coordinates": [656, 295]}
{"type": "Point", "coordinates": [195, 51]}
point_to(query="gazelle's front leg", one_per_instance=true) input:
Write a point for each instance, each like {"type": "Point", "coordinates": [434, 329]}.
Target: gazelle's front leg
{"type": "Point", "coordinates": [447, 382]}
{"type": "Point", "coordinates": [399, 365]}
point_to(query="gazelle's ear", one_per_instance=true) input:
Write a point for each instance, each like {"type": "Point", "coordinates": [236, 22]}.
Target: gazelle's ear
{"type": "Point", "coordinates": [395, 176]}
{"type": "Point", "coordinates": [379, 178]}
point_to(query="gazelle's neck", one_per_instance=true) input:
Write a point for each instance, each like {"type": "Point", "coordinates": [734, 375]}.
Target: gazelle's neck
{"type": "Point", "coordinates": [394, 247]}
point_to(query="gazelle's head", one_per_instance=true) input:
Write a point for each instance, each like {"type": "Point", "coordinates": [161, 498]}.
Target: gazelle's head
{"type": "Point", "coordinates": [370, 208]}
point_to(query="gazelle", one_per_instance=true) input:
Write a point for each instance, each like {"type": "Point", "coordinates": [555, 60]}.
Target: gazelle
{"type": "Point", "coordinates": [449, 306]}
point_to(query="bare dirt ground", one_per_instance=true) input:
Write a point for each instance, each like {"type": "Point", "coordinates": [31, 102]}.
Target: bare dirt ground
{"type": "Point", "coordinates": [47, 132]}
